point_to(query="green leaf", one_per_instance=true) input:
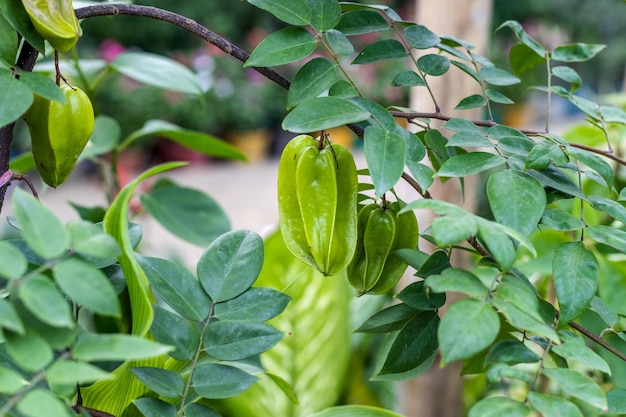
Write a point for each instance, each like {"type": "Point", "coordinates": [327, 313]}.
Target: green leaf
{"type": "Point", "coordinates": [497, 76]}
{"type": "Point", "coordinates": [575, 276]}
{"type": "Point", "coordinates": [594, 162]}
{"type": "Point", "coordinates": [177, 287]}
{"type": "Point", "coordinates": [39, 402]}
{"type": "Point", "coordinates": [578, 386]}
{"type": "Point", "coordinates": [323, 113]}
{"type": "Point", "coordinates": [170, 329]}
{"type": "Point", "coordinates": [380, 51]}
{"type": "Point", "coordinates": [471, 102]}
{"type": "Point", "coordinates": [519, 293]}
{"type": "Point", "coordinates": [498, 97]}
{"type": "Point", "coordinates": [360, 22]}
{"type": "Point", "coordinates": [196, 141]}
{"type": "Point", "coordinates": [605, 312]}
{"type": "Point", "coordinates": [554, 178]}
{"type": "Point", "coordinates": [569, 75]}
{"type": "Point", "coordinates": [187, 213]}
{"type": "Point", "coordinates": [416, 295]}
{"type": "Point", "coordinates": [408, 79]}
{"type": "Point", "coordinates": [579, 352]}
{"type": "Point", "coordinates": [468, 327]}
{"type": "Point", "coordinates": [338, 42]}
{"type": "Point", "coordinates": [613, 208]}
{"type": "Point", "coordinates": [550, 405]}
{"type": "Point", "coordinates": [472, 139]}
{"type": "Point", "coordinates": [414, 344]}
{"type": "Point", "coordinates": [420, 37]}
{"type": "Point", "coordinates": [220, 381]}
{"type": "Point", "coordinates": [256, 304]}
{"type": "Point", "coordinates": [90, 241]}
{"type": "Point", "coordinates": [29, 350]}
{"type": "Point", "coordinates": [106, 135]}
{"type": "Point", "coordinates": [312, 79]}
{"type": "Point", "coordinates": [389, 319]}
{"type": "Point", "coordinates": [577, 52]}
{"type": "Point", "coordinates": [157, 71]}
{"type": "Point", "coordinates": [43, 231]}
{"type": "Point", "coordinates": [41, 297]}
{"type": "Point", "coordinates": [607, 235]}
{"type": "Point", "coordinates": [433, 64]}
{"type": "Point", "coordinates": [10, 381]}
{"type": "Point", "coordinates": [115, 347]}
{"type": "Point", "coordinates": [355, 411]}
{"type": "Point", "coordinates": [616, 399]}
{"type": "Point", "coordinates": [64, 372]}
{"type": "Point", "coordinates": [9, 41]}
{"type": "Point", "coordinates": [423, 174]}
{"type": "Point", "coordinates": [498, 244]}
{"type": "Point", "coordinates": [13, 264]}
{"type": "Point", "coordinates": [453, 229]}
{"type": "Point", "coordinates": [236, 340]}
{"type": "Point", "coordinates": [294, 12]}
{"type": "Point", "coordinates": [325, 14]}
{"type": "Point", "coordinates": [152, 407]}
{"type": "Point", "coordinates": [523, 37]}
{"type": "Point", "coordinates": [42, 86]}
{"type": "Point", "coordinates": [516, 199]}
{"type": "Point", "coordinates": [469, 164]}
{"type": "Point", "coordinates": [8, 317]}
{"type": "Point", "coordinates": [282, 47]}
{"type": "Point", "coordinates": [498, 406]}
{"type": "Point", "coordinates": [461, 125]}
{"type": "Point", "coordinates": [231, 264]}
{"type": "Point", "coordinates": [16, 15]}
{"type": "Point", "coordinates": [523, 58]}
{"type": "Point", "coordinates": [544, 153]}
{"type": "Point", "coordinates": [380, 114]}
{"type": "Point", "coordinates": [87, 286]}
{"type": "Point", "coordinates": [198, 410]}
{"type": "Point", "coordinates": [166, 383]}
{"type": "Point", "coordinates": [385, 153]}
{"type": "Point", "coordinates": [466, 69]}
{"type": "Point", "coordinates": [511, 352]}
{"type": "Point", "coordinates": [457, 280]}
{"type": "Point", "coordinates": [500, 371]}
{"type": "Point", "coordinates": [524, 321]}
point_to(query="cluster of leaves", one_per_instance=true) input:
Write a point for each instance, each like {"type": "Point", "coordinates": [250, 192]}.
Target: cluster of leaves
{"type": "Point", "coordinates": [508, 319]}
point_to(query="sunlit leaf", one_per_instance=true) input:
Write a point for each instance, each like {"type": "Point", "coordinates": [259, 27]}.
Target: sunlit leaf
{"type": "Point", "coordinates": [282, 47]}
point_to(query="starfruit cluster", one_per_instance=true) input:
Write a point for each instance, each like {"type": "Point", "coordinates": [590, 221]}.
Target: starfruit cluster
{"type": "Point", "coordinates": [55, 21]}
{"type": "Point", "coordinates": [317, 203]}
{"type": "Point", "coordinates": [375, 269]}
{"type": "Point", "coordinates": [59, 133]}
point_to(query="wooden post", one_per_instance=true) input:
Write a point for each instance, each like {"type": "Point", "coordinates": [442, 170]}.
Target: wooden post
{"type": "Point", "coordinates": [438, 393]}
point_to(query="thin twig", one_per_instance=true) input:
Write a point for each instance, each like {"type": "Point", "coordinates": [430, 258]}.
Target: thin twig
{"type": "Point", "coordinates": [597, 339]}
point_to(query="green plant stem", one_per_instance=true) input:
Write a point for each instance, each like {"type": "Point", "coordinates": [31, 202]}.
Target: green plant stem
{"type": "Point", "coordinates": [597, 340]}
{"type": "Point", "coordinates": [194, 362]}
{"type": "Point", "coordinates": [549, 104]}
{"type": "Point", "coordinates": [482, 84]}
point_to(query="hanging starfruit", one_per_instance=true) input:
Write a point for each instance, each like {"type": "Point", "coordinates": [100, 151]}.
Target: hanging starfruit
{"type": "Point", "coordinates": [55, 21]}
{"type": "Point", "coordinates": [381, 230]}
{"type": "Point", "coordinates": [317, 203]}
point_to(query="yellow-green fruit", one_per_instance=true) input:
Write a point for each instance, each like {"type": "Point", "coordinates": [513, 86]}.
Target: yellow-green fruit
{"type": "Point", "coordinates": [374, 268]}
{"type": "Point", "coordinates": [55, 21]}
{"type": "Point", "coordinates": [317, 203]}
{"type": "Point", "coordinates": [59, 133]}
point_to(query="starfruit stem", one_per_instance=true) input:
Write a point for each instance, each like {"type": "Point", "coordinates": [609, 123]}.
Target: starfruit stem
{"type": "Point", "coordinates": [383, 205]}
{"type": "Point", "coordinates": [57, 69]}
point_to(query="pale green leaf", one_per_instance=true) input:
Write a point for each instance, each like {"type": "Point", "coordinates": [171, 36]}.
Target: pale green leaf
{"type": "Point", "coordinates": [294, 12]}
{"type": "Point", "coordinates": [236, 340]}
{"type": "Point", "coordinates": [220, 381]}
{"type": "Point", "coordinates": [43, 299]}
{"type": "Point", "coordinates": [380, 51]}
{"type": "Point", "coordinates": [153, 407]}
{"type": "Point", "coordinates": [552, 406]}
{"type": "Point", "coordinates": [64, 372]}
{"type": "Point", "coordinates": [575, 275]}
{"type": "Point", "coordinates": [39, 402]}
{"type": "Point", "coordinates": [165, 383]}
{"type": "Point", "coordinates": [385, 153]}
{"type": "Point", "coordinates": [282, 47]}
{"type": "Point", "coordinates": [355, 411]}
{"type": "Point", "coordinates": [15, 97]}
{"type": "Point", "coordinates": [457, 280]}
{"type": "Point", "coordinates": [469, 164]}
{"type": "Point", "coordinates": [497, 407]}
{"type": "Point", "coordinates": [115, 347]}
{"type": "Point", "coordinates": [12, 262]}
{"type": "Point", "coordinates": [577, 52]}
{"type": "Point", "coordinates": [310, 81]}
{"type": "Point", "coordinates": [323, 113]}
{"type": "Point", "coordinates": [578, 386]}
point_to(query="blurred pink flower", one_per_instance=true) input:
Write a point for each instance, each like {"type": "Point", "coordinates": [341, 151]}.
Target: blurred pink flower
{"type": "Point", "coordinates": [110, 48]}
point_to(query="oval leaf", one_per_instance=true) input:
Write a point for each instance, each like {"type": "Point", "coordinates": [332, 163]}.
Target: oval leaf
{"type": "Point", "coordinates": [294, 12]}
{"type": "Point", "coordinates": [259, 304]}
{"type": "Point", "coordinates": [468, 327]}
{"type": "Point", "coordinates": [576, 274]}
{"type": "Point", "coordinates": [165, 383]}
{"type": "Point", "coordinates": [355, 411]}
{"type": "Point", "coordinates": [381, 51]}
{"type": "Point", "coordinates": [220, 381]}
{"type": "Point", "coordinates": [469, 164]}
{"type": "Point", "coordinates": [433, 64]}
{"type": "Point", "coordinates": [310, 81]}
{"type": "Point", "coordinates": [236, 340]}
{"type": "Point", "coordinates": [115, 347]}
{"type": "Point", "coordinates": [157, 71]}
{"type": "Point", "coordinates": [516, 199]}
{"type": "Point", "coordinates": [231, 264]}
{"type": "Point", "coordinates": [173, 330]}
{"type": "Point", "coordinates": [385, 153]}
{"type": "Point", "coordinates": [323, 113]}
{"type": "Point", "coordinates": [177, 287]}
{"type": "Point", "coordinates": [41, 297]}
{"type": "Point", "coordinates": [15, 98]}
{"type": "Point", "coordinates": [282, 47]}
